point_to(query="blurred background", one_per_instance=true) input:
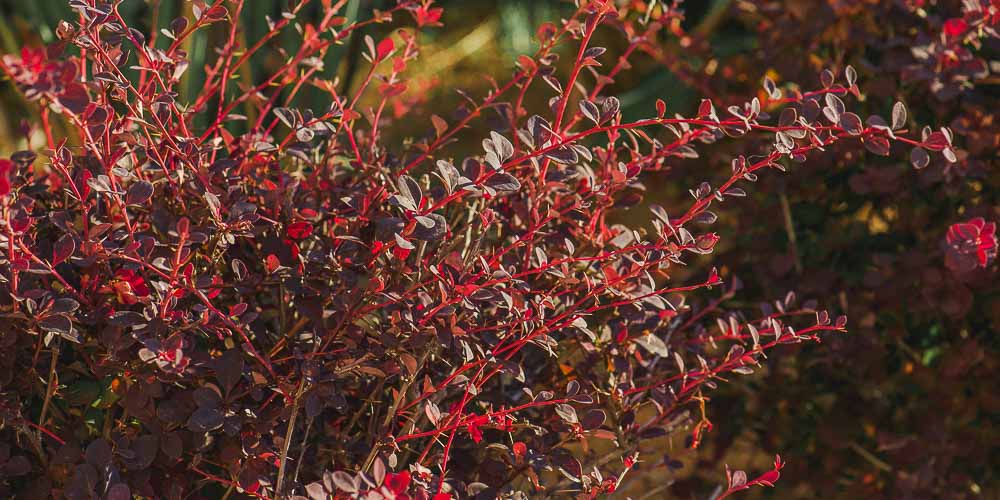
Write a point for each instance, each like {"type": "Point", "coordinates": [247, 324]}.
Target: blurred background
{"type": "Point", "coordinates": [906, 405]}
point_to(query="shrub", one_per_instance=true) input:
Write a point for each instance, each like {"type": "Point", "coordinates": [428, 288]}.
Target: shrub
{"type": "Point", "coordinates": [298, 303]}
{"type": "Point", "coordinates": [899, 408]}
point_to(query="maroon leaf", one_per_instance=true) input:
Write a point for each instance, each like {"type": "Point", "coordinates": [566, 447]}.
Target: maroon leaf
{"type": "Point", "coordinates": [119, 491]}
{"type": "Point", "coordinates": [75, 98]}
{"type": "Point", "coordinates": [139, 193]}
{"type": "Point", "coordinates": [851, 123]}
{"type": "Point", "coordinates": [216, 13]}
{"type": "Point", "coordinates": [919, 157]}
{"type": "Point", "coordinates": [876, 144]}
{"type": "Point", "coordinates": [63, 249]}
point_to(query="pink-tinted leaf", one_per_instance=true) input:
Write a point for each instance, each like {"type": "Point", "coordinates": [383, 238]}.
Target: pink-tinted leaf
{"type": "Point", "coordinates": [63, 249]}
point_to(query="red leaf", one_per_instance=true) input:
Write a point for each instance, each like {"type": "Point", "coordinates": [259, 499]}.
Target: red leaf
{"type": "Point", "coordinates": [135, 280]}
{"type": "Point", "coordinates": [350, 114]}
{"type": "Point", "coordinates": [399, 65]}
{"type": "Point", "coordinates": [272, 263]}
{"type": "Point", "coordinates": [391, 90]}
{"type": "Point", "coordinates": [299, 230]}
{"type": "Point", "coordinates": [769, 478]}
{"type": "Point", "coordinates": [427, 16]}
{"type": "Point", "coordinates": [398, 482]}
{"type": "Point", "coordinates": [82, 183]}
{"type": "Point", "coordinates": [545, 32]}
{"type": "Point", "coordinates": [705, 108]}
{"type": "Point", "coordinates": [216, 290]}
{"type": "Point", "coordinates": [5, 167]}
{"type": "Point", "coordinates": [401, 253]}
{"type": "Point", "coordinates": [475, 433]}
{"type": "Point", "coordinates": [936, 141]}
{"type": "Point", "coordinates": [955, 27]}
{"type": "Point", "coordinates": [526, 63]}
{"type": "Point", "coordinates": [384, 48]}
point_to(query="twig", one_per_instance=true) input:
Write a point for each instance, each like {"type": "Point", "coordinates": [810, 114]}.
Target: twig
{"type": "Point", "coordinates": [790, 229]}
{"type": "Point", "coordinates": [50, 387]}
{"type": "Point", "coordinates": [289, 432]}
{"type": "Point", "coordinates": [392, 410]}
{"type": "Point", "coordinates": [655, 491]}
{"type": "Point", "coordinates": [870, 457]}
{"type": "Point", "coordinates": [302, 450]}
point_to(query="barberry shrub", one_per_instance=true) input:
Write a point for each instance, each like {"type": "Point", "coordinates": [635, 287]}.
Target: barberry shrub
{"type": "Point", "coordinates": [923, 300]}
{"type": "Point", "coordinates": [297, 303]}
